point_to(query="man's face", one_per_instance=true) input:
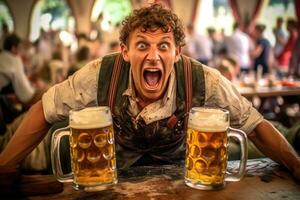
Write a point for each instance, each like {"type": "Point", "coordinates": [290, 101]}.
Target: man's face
{"type": "Point", "coordinates": [152, 55]}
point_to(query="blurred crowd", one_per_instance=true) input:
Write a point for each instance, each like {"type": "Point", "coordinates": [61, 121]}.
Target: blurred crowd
{"type": "Point", "coordinates": [28, 69]}
{"type": "Point", "coordinates": [248, 52]}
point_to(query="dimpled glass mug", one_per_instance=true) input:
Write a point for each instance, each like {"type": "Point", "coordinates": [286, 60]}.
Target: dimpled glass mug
{"type": "Point", "coordinates": [206, 149]}
{"type": "Point", "coordinates": [92, 149]}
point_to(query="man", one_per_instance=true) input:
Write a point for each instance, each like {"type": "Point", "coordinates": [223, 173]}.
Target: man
{"type": "Point", "coordinates": [262, 50]}
{"type": "Point", "coordinates": [238, 45]}
{"type": "Point", "coordinates": [15, 87]}
{"type": "Point", "coordinates": [280, 37]}
{"type": "Point", "coordinates": [198, 46]}
{"type": "Point", "coordinates": [149, 101]}
{"type": "Point", "coordinates": [12, 70]}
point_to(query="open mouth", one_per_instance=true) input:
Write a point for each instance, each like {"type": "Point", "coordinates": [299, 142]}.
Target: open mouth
{"type": "Point", "coordinates": [152, 77]}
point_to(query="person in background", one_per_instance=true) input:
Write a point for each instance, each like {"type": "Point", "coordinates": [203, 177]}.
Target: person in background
{"type": "Point", "coordinates": [150, 99]}
{"type": "Point", "coordinates": [82, 58]}
{"type": "Point", "coordinates": [280, 37]}
{"type": "Point", "coordinates": [4, 34]}
{"type": "Point", "coordinates": [15, 87]}
{"type": "Point", "coordinates": [198, 46]}
{"type": "Point", "coordinates": [217, 42]}
{"type": "Point", "coordinates": [284, 56]}
{"type": "Point", "coordinates": [294, 65]}
{"type": "Point", "coordinates": [114, 46]}
{"type": "Point", "coordinates": [261, 52]}
{"type": "Point", "coordinates": [229, 68]}
{"type": "Point", "coordinates": [238, 45]}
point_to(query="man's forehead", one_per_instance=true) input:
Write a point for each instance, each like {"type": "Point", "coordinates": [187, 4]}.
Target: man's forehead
{"type": "Point", "coordinates": [157, 33]}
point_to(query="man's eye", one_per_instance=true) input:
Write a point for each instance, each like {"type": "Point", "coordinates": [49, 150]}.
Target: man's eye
{"type": "Point", "coordinates": [141, 46]}
{"type": "Point", "coordinates": [163, 46]}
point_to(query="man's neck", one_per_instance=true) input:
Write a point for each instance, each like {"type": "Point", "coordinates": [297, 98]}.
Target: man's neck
{"type": "Point", "coordinates": [142, 103]}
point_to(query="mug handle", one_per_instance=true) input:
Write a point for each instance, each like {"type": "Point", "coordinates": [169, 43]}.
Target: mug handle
{"type": "Point", "coordinates": [55, 155]}
{"type": "Point", "coordinates": [242, 137]}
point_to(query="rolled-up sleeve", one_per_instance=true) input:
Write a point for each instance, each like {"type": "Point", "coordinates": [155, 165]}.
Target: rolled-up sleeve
{"type": "Point", "coordinates": [221, 93]}
{"type": "Point", "coordinates": [78, 91]}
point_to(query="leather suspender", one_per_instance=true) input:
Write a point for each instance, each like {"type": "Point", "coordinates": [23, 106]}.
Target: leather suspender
{"type": "Point", "coordinates": [187, 71]}
{"type": "Point", "coordinates": [114, 82]}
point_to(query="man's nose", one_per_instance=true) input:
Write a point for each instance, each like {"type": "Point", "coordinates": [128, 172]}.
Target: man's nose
{"type": "Point", "coordinates": [153, 54]}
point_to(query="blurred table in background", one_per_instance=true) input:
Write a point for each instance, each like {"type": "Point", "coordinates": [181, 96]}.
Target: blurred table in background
{"type": "Point", "coordinates": [269, 91]}
{"type": "Point", "coordinates": [264, 180]}
{"type": "Point", "coordinates": [279, 102]}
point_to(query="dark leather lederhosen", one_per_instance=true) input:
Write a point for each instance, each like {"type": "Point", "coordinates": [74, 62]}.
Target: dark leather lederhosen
{"type": "Point", "coordinates": [162, 140]}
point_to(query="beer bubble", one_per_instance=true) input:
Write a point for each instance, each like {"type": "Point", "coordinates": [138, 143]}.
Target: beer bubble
{"type": "Point", "coordinates": [189, 163]}
{"type": "Point", "coordinates": [200, 166]}
{"type": "Point", "coordinates": [202, 139]}
{"type": "Point", "coordinates": [100, 140]}
{"type": "Point", "coordinates": [108, 152]}
{"type": "Point", "coordinates": [215, 168]}
{"type": "Point", "coordinates": [93, 156]}
{"type": "Point", "coordinates": [84, 140]}
{"type": "Point", "coordinates": [106, 130]}
{"type": "Point", "coordinates": [195, 151]}
{"type": "Point", "coordinates": [80, 155]}
{"type": "Point", "coordinates": [209, 154]}
{"type": "Point", "coordinates": [217, 140]}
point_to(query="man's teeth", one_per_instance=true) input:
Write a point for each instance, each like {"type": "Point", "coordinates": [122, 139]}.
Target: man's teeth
{"type": "Point", "coordinates": [152, 70]}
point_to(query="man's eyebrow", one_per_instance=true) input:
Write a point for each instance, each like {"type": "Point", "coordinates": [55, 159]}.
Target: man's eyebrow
{"type": "Point", "coordinates": [166, 37]}
{"type": "Point", "coordinates": [141, 36]}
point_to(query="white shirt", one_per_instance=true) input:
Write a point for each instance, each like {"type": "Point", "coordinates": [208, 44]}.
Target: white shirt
{"type": "Point", "coordinates": [12, 71]}
{"type": "Point", "coordinates": [80, 90]}
{"type": "Point", "coordinates": [238, 46]}
{"type": "Point", "coordinates": [199, 47]}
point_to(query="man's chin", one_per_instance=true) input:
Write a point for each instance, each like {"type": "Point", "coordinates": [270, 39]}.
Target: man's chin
{"type": "Point", "coordinates": [151, 96]}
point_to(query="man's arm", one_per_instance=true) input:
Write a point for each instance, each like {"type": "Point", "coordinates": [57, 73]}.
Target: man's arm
{"type": "Point", "coordinates": [268, 139]}
{"type": "Point", "coordinates": [28, 135]}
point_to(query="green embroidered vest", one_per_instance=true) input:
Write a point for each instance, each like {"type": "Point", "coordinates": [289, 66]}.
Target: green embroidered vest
{"type": "Point", "coordinates": [161, 140]}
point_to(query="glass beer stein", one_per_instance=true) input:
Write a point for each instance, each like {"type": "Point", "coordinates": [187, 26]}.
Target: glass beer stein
{"type": "Point", "coordinates": [92, 149]}
{"type": "Point", "coordinates": [206, 149]}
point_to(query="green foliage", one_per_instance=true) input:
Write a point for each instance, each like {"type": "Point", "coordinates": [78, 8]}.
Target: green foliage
{"type": "Point", "coordinates": [5, 15]}
{"type": "Point", "coordinates": [57, 8]}
{"type": "Point", "coordinates": [117, 10]}
{"type": "Point", "coordinates": [284, 2]}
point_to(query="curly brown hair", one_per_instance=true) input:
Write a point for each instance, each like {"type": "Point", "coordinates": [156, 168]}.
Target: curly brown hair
{"type": "Point", "coordinates": [151, 18]}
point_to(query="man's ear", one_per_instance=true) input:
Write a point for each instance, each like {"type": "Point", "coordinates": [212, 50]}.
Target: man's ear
{"type": "Point", "coordinates": [177, 53]}
{"type": "Point", "coordinates": [124, 51]}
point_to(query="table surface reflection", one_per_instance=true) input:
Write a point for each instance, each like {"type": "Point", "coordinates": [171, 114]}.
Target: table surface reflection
{"type": "Point", "coordinates": [264, 180]}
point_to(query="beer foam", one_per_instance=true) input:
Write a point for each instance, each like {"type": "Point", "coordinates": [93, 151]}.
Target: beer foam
{"type": "Point", "coordinates": [208, 120]}
{"type": "Point", "coordinates": [92, 117]}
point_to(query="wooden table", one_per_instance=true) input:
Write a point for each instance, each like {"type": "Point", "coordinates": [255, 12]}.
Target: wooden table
{"type": "Point", "coordinates": [264, 180]}
{"type": "Point", "coordinates": [270, 91]}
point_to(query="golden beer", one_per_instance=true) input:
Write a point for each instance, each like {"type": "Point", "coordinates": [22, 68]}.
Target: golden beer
{"type": "Point", "coordinates": [92, 156]}
{"type": "Point", "coordinates": [206, 160]}
{"type": "Point", "coordinates": [206, 149]}
{"type": "Point", "coordinates": [92, 149]}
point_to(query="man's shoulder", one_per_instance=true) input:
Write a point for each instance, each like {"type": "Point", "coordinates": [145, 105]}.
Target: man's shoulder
{"type": "Point", "coordinates": [210, 73]}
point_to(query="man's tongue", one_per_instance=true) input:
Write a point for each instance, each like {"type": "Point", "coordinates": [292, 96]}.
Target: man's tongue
{"type": "Point", "coordinates": [152, 78]}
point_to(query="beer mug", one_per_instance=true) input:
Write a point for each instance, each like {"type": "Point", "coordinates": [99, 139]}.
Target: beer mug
{"type": "Point", "coordinates": [92, 149]}
{"type": "Point", "coordinates": [206, 149]}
